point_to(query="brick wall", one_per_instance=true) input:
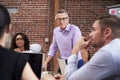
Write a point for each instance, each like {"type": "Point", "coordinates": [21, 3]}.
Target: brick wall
{"type": "Point", "coordinates": [35, 17]}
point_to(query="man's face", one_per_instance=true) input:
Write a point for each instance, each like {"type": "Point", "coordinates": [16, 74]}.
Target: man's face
{"type": "Point", "coordinates": [62, 20]}
{"type": "Point", "coordinates": [97, 36]}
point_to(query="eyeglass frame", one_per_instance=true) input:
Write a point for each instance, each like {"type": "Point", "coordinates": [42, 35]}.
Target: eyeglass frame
{"type": "Point", "coordinates": [17, 39]}
{"type": "Point", "coordinates": [64, 18]}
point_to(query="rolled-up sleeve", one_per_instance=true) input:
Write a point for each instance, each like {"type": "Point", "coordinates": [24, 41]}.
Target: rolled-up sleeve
{"type": "Point", "coordinates": [53, 47]}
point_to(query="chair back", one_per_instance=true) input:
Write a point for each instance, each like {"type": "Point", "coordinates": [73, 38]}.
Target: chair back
{"type": "Point", "coordinates": [35, 48]}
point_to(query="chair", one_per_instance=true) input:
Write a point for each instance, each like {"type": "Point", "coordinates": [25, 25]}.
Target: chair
{"type": "Point", "coordinates": [36, 48]}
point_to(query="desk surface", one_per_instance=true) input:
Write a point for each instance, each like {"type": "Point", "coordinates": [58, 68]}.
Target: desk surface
{"type": "Point", "coordinates": [47, 76]}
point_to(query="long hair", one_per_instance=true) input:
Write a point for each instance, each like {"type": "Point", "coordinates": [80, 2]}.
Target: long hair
{"type": "Point", "coordinates": [25, 38]}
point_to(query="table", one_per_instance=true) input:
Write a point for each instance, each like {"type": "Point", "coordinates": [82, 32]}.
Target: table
{"type": "Point", "coordinates": [47, 76]}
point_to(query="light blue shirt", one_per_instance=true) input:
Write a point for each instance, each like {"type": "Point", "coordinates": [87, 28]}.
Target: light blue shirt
{"type": "Point", "coordinates": [64, 40]}
{"type": "Point", "coordinates": [104, 63]}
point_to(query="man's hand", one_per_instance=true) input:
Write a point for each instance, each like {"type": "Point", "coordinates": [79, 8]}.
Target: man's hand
{"type": "Point", "coordinates": [58, 77]}
{"type": "Point", "coordinates": [80, 44]}
{"type": "Point", "coordinates": [44, 67]}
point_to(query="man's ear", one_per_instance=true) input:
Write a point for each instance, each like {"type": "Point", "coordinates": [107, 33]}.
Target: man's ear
{"type": "Point", "coordinates": [108, 33]}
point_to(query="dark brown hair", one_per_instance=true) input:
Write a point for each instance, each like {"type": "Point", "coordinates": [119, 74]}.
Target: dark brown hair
{"type": "Point", "coordinates": [25, 38]}
{"type": "Point", "coordinates": [112, 22]}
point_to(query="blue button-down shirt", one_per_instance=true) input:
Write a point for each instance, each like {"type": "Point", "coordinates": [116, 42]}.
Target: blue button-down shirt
{"type": "Point", "coordinates": [64, 40]}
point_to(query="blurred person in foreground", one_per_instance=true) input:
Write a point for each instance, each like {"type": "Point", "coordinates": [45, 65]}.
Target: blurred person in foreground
{"type": "Point", "coordinates": [64, 39]}
{"type": "Point", "coordinates": [13, 66]}
{"type": "Point", "coordinates": [105, 63]}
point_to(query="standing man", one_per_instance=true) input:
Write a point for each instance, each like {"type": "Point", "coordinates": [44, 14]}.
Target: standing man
{"type": "Point", "coordinates": [64, 38]}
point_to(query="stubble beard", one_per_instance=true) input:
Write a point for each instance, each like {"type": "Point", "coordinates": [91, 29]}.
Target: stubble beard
{"type": "Point", "coordinates": [99, 44]}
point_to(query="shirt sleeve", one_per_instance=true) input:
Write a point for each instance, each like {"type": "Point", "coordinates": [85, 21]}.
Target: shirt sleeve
{"type": "Point", "coordinates": [100, 66]}
{"type": "Point", "coordinates": [77, 35]}
{"type": "Point", "coordinates": [53, 47]}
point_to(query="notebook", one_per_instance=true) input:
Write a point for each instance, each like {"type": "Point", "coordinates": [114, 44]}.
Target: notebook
{"type": "Point", "coordinates": [35, 60]}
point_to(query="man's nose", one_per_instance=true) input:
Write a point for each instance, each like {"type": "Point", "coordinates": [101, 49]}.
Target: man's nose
{"type": "Point", "coordinates": [62, 21]}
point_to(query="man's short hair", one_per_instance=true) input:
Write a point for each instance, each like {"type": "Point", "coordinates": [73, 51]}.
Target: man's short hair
{"type": "Point", "coordinates": [110, 21]}
{"type": "Point", "coordinates": [62, 11]}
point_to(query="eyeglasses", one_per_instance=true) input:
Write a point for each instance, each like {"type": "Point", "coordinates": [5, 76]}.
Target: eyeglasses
{"type": "Point", "coordinates": [60, 19]}
{"type": "Point", "coordinates": [19, 39]}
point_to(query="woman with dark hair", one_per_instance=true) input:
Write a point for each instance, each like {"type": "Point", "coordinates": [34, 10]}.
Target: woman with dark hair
{"type": "Point", "coordinates": [20, 42]}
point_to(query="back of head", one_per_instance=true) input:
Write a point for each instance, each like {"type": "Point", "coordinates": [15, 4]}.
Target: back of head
{"type": "Point", "coordinates": [112, 22]}
{"type": "Point", "coordinates": [4, 19]}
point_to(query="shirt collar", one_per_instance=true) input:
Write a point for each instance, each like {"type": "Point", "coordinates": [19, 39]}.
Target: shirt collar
{"type": "Point", "coordinates": [66, 29]}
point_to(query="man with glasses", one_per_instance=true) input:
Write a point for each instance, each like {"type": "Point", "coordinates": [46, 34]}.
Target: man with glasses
{"type": "Point", "coordinates": [64, 38]}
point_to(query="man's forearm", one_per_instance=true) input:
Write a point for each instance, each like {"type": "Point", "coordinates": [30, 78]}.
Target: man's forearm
{"type": "Point", "coordinates": [48, 59]}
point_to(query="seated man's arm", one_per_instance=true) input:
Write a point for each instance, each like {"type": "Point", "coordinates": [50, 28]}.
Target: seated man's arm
{"type": "Point", "coordinates": [99, 67]}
